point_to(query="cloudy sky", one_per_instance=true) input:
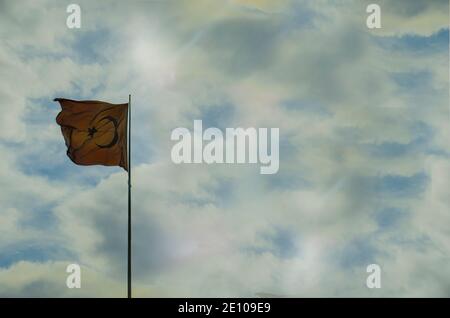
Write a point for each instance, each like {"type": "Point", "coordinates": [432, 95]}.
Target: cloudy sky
{"type": "Point", "coordinates": [364, 148]}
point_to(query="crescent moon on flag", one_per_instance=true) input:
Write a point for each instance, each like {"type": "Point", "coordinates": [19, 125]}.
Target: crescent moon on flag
{"type": "Point", "coordinates": [116, 135]}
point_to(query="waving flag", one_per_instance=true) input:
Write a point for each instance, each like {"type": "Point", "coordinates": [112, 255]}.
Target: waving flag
{"type": "Point", "coordinates": [95, 132]}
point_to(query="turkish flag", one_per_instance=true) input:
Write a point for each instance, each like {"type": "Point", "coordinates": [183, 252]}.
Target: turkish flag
{"type": "Point", "coordinates": [95, 132]}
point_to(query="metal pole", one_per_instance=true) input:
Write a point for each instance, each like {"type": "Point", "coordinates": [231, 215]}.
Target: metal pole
{"type": "Point", "coordinates": [129, 196]}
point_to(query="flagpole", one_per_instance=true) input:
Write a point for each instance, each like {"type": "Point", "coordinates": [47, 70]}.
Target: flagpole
{"type": "Point", "coordinates": [129, 197]}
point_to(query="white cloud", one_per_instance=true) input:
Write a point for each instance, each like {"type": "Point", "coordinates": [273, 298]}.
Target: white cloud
{"type": "Point", "coordinates": [212, 230]}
